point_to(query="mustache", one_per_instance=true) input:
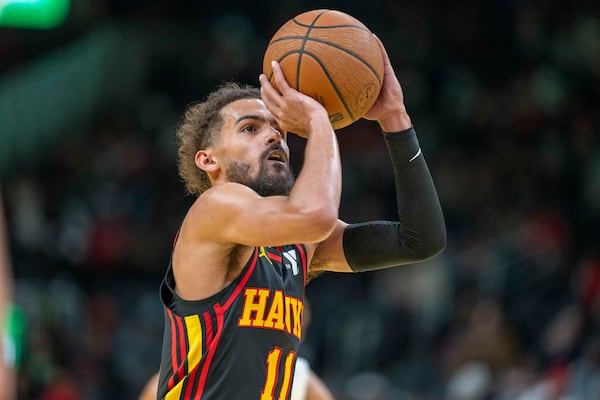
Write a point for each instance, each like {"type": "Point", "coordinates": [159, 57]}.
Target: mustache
{"type": "Point", "coordinates": [272, 147]}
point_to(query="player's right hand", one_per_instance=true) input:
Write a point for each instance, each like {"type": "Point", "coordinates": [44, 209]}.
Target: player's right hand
{"type": "Point", "coordinates": [294, 111]}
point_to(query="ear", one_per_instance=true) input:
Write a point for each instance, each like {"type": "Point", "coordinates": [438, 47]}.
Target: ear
{"type": "Point", "coordinates": [206, 161]}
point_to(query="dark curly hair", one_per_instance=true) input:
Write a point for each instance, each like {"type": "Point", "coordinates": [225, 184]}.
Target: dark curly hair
{"type": "Point", "coordinates": [200, 127]}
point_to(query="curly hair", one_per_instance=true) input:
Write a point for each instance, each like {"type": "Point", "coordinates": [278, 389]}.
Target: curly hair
{"type": "Point", "coordinates": [199, 129]}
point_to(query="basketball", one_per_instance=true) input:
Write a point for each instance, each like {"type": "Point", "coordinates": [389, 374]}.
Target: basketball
{"type": "Point", "coordinates": [332, 57]}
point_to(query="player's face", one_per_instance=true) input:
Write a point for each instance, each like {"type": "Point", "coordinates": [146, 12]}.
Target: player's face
{"type": "Point", "coordinates": [254, 148]}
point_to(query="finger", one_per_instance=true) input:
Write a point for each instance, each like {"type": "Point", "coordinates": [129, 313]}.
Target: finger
{"type": "Point", "coordinates": [267, 91]}
{"type": "Point", "coordinates": [388, 70]}
{"type": "Point", "coordinates": [272, 107]}
{"type": "Point", "coordinates": [279, 77]}
{"type": "Point", "coordinates": [386, 58]}
{"type": "Point", "coordinates": [271, 101]}
{"type": "Point", "coordinates": [264, 82]}
{"type": "Point", "coordinates": [389, 75]}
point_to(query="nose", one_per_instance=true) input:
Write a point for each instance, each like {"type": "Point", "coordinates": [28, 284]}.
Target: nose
{"type": "Point", "coordinates": [273, 136]}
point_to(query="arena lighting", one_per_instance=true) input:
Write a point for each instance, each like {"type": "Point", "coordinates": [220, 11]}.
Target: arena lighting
{"type": "Point", "coordinates": [33, 14]}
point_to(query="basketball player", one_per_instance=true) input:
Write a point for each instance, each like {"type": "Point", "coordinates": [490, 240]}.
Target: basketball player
{"type": "Point", "coordinates": [234, 289]}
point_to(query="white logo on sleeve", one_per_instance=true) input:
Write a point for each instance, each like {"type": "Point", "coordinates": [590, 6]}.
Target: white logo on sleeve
{"type": "Point", "coordinates": [291, 261]}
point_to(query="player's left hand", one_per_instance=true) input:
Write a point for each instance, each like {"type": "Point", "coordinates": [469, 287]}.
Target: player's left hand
{"type": "Point", "coordinates": [389, 109]}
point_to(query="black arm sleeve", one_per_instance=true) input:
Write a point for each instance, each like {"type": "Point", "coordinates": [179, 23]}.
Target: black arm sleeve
{"type": "Point", "coordinates": [420, 232]}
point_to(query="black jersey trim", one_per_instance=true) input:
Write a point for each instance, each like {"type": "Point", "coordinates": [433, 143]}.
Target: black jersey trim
{"type": "Point", "coordinates": [302, 252]}
{"type": "Point", "coordinates": [178, 349]}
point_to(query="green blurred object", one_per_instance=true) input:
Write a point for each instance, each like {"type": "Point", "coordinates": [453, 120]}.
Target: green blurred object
{"type": "Point", "coordinates": [13, 335]}
{"type": "Point", "coordinates": [44, 100]}
{"type": "Point", "coordinates": [33, 14]}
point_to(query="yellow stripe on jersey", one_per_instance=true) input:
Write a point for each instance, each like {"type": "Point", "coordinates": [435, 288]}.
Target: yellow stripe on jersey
{"type": "Point", "coordinates": [175, 393]}
{"type": "Point", "coordinates": [194, 336]}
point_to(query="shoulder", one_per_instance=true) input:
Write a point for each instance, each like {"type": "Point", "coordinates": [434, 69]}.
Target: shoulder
{"type": "Point", "coordinates": [223, 198]}
{"type": "Point", "coordinates": [224, 193]}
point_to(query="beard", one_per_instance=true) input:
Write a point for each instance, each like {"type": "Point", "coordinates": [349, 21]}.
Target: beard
{"type": "Point", "coordinates": [264, 183]}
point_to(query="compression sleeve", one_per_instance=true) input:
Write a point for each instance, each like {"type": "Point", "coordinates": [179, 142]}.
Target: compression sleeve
{"type": "Point", "coordinates": [420, 231]}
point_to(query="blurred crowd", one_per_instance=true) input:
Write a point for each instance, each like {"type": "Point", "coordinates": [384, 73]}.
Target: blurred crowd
{"type": "Point", "coordinates": [505, 99]}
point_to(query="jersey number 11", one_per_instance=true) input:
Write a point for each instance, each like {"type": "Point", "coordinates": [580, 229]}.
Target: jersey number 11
{"type": "Point", "coordinates": [273, 365]}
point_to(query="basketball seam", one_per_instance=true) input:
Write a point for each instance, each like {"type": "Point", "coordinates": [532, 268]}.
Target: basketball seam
{"type": "Point", "coordinates": [333, 83]}
{"type": "Point", "coordinates": [330, 44]}
{"type": "Point", "coordinates": [362, 28]}
{"type": "Point", "coordinates": [301, 52]}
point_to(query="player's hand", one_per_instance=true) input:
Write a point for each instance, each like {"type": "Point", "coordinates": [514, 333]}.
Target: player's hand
{"type": "Point", "coordinates": [389, 109]}
{"type": "Point", "coordinates": [294, 111]}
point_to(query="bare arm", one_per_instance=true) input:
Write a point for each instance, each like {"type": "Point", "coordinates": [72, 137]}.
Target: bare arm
{"type": "Point", "coordinates": [150, 389]}
{"type": "Point", "coordinates": [233, 213]}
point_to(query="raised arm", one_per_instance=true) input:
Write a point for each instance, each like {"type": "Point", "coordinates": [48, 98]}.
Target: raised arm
{"type": "Point", "coordinates": [419, 233]}
{"type": "Point", "coordinates": [234, 213]}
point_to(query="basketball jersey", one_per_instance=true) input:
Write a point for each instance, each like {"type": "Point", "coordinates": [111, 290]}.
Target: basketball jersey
{"type": "Point", "coordinates": [241, 343]}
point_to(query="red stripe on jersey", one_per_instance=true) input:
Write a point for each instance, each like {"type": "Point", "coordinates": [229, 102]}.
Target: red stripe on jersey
{"type": "Point", "coordinates": [176, 237]}
{"type": "Point", "coordinates": [182, 347]}
{"type": "Point", "coordinates": [211, 352]}
{"type": "Point", "coordinates": [303, 257]}
{"type": "Point", "coordinates": [209, 332]}
{"type": "Point", "coordinates": [189, 385]}
{"type": "Point", "coordinates": [173, 349]}
{"type": "Point", "coordinates": [191, 390]}
{"type": "Point", "coordinates": [242, 283]}
{"type": "Point", "coordinates": [274, 257]}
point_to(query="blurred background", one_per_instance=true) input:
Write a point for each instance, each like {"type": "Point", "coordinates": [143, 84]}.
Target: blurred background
{"type": "Point", "coordinates": [504, 96]}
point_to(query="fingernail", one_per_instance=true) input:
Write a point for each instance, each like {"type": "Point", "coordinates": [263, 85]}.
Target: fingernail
{"type": "Point", "coordinates": [273, 63]}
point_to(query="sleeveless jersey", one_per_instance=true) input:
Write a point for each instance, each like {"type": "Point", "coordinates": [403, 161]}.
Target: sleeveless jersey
{"type": "Point", "coordinates": [241, 343]}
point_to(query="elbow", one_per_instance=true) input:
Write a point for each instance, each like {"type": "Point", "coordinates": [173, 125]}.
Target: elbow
{"type": "Point", "coordinates": [438, 245]}
{"type": "Point", "coordinates": [322, 222]}
{"type": "Point", "coordinates": [433, 245]}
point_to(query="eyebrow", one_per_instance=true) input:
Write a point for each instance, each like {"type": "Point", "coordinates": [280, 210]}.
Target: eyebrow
{"type": "Point", "coordinates": [272, 122]}
{"type": "Point", "coordinates": [254, 117]}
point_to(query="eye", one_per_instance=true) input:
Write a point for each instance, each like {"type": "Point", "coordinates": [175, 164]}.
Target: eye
{"type": "Point", "coordinates": [249, 129]}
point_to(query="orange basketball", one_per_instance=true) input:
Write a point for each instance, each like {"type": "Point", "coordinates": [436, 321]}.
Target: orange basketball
{"type": "Point", "coordinates": [332, 57]}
